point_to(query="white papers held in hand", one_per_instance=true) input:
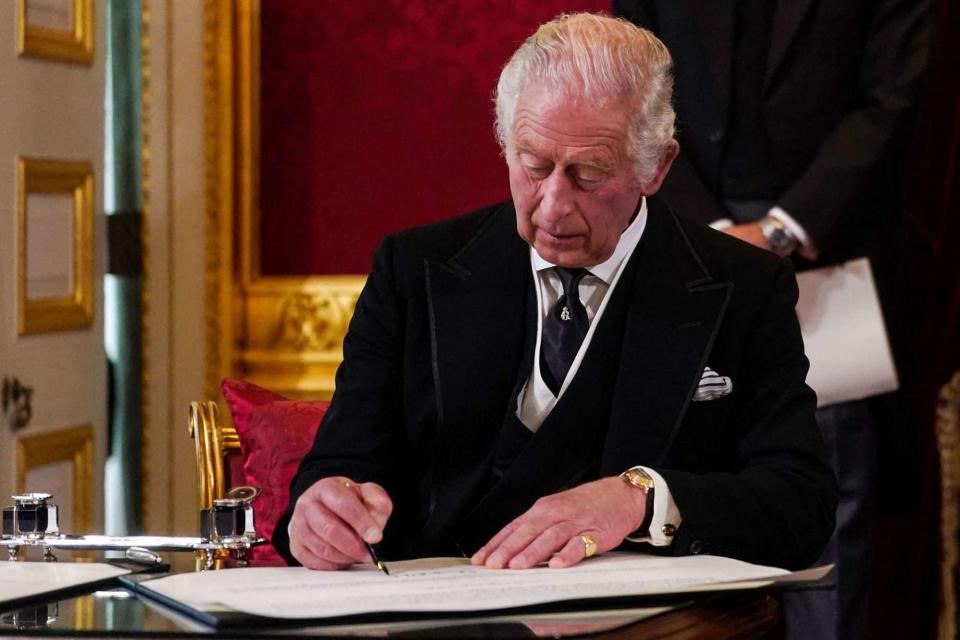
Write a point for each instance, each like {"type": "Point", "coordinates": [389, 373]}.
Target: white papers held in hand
{"type": "Point", "coordinates": [844, 335]}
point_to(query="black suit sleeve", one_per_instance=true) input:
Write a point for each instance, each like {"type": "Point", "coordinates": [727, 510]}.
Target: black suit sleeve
{"type": "Point", "coordinates": [851, 157]}
{"type": "Point", "coordinates": [775, 504]}
{"type": "Point", "coordinates": [686, 191]}
{"type": "Point", "coordinates": [356, 438]}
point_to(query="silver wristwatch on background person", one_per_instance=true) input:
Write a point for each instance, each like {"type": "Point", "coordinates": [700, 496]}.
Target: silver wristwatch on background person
{"type": "Point", "coordinates": [777, 235]}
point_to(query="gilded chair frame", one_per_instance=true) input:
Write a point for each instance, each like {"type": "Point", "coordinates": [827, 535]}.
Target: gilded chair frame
{"type": "Point", "coordinates": [948, 446]}
{"type": "Point", "coordinates": [212, 441]}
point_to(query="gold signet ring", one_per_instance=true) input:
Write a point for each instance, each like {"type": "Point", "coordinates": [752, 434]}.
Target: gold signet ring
{"type": "Point", "coordinates": [589, 545]}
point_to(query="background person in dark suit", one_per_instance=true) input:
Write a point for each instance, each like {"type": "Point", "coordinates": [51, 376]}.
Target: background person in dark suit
{"type": "Point", "coordinates": [793, 118]}
{"type": "Point", "coordinates": [542, 379]}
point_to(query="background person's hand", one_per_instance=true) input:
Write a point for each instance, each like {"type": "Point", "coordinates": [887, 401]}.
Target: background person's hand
{"type": "Point", "coordinates": [334, 518]}
{"type": "Point", "coordinates": [607, 510]}
{"type": "Point", "coordinates": [749, 232]}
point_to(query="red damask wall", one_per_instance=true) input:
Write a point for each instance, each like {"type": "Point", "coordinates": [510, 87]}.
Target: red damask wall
{"type": "Point", "coordinates": [377, 115]}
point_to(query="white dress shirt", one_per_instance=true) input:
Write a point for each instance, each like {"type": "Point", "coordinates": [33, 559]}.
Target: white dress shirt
{"type": "Point", "coordinates": [536, 401]}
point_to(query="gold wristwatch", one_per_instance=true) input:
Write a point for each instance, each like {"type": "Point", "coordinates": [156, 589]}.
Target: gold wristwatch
{"type": "Point", "coordinates": [641, 480]}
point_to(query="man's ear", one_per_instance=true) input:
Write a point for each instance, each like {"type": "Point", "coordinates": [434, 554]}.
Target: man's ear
{"type": "Point", "coordinates": [652, 185]}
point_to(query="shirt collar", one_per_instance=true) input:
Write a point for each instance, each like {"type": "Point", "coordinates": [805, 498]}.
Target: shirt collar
{"type": "Point", "coordinates": [607, 269]}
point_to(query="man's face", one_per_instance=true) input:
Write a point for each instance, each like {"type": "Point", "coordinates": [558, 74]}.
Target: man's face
{"type": "Point", "coordinates": [572, 182]}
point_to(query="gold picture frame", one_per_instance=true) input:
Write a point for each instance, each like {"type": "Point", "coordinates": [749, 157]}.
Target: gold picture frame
{"type": "Point", "coordinates": [72, 444]}
{"type": "Point", "coordinates": [74, 310]}
{"type": "Point", "coordinates": [73, 44]}
{"type": "Point", "coordinates": [281, 332]}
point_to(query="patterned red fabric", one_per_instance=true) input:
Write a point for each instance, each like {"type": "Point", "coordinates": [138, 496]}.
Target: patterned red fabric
{"type": "Point", "coordinates": [377, 115]}
{"type": "Point", "coordinates": [274, 434]}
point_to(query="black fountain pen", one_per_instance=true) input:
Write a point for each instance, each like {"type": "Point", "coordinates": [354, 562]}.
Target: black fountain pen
{"type": "Point", "coordinates": [376, 558]}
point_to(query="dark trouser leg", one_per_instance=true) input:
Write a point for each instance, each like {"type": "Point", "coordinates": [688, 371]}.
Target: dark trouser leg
{"type": "Point", "coordinates": [842, 612]}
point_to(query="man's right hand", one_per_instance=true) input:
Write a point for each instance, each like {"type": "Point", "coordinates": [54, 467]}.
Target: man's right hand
{"type": "Point", "coordinates": [334, 518]}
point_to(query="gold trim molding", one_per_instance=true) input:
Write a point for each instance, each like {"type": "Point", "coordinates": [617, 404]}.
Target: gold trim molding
{"type": "Point", "coordinates": [146, 103]}
{"type": "Point", "coordinates": [294, 332]}
{"type": "Point", "coordinates": [74, 179]}
{"type": "Point", "coordinates": [74, 445]}
{"type": "Point", "coordinates": [74, 45]}
{"type": "Point", "coordinates": [219, 213]}
{"type": "Point", "coordinates": [283, 333]}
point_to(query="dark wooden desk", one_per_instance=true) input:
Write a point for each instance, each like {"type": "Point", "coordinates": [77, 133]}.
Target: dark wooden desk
{"type": "Point", "coordinates": [118, 613]}
{"type": "Point", "coordinates": [750, 616]}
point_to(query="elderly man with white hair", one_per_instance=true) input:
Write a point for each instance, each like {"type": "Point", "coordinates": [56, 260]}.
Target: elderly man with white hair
{"type": "Point", "coordinates": [577, 369]}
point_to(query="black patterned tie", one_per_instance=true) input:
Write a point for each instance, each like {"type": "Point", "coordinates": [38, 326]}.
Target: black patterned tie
{"type": "Point", "coordinates": [564, 328]}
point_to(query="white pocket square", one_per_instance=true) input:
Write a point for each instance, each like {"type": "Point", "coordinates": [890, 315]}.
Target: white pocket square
{"type": "Point", "coordinates": [712, 385]}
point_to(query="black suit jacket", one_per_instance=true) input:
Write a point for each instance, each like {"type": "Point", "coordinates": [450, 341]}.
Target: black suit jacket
{"type": "Point", "coordinates": [436, 346]}
{"type": "Point", "coordinates": [839, 90]}
{"type": "Point", "coordinates": [840, 80]}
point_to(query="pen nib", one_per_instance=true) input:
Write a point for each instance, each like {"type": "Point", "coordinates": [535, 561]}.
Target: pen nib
{"type": "Point", "coordinates": [375, 557]}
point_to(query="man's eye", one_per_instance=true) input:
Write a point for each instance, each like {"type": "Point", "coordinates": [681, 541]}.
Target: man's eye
{"type": "Point", "coordinates": [537, 172]}
{"type": "Point", "coordinates": [589, 176]}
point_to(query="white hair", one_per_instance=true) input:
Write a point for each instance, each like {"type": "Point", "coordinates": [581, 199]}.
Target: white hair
{"type": "Point", "coordinates": [602, 59]}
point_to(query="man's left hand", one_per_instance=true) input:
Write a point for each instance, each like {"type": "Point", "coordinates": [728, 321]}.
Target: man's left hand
{"type": "Point", "coordinates": [607, 510]}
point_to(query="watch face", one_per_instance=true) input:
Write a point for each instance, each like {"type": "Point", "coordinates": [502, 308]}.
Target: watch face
{"type": "Point", "coordinates": [639, 479]}
{"type": "Point", "coordinates": [777, 235]}
{"type": "Point", "coordinates": [778, 239]}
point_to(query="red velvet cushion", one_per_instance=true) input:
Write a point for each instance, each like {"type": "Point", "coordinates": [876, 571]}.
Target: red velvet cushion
{"type": "Point", "coordinates": [274, 434]}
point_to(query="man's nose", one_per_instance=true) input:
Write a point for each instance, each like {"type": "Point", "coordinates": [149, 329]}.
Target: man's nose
{"type": "Point", "coordinates": [558, 197]}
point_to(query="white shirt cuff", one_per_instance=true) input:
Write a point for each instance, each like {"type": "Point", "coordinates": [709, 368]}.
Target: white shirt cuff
{"type": "Point", "coordinates": [666, 515]}
{"type": "Point", "coordinates": [721, 223]}
{"type": "Point", "coordinates": [806, 249]}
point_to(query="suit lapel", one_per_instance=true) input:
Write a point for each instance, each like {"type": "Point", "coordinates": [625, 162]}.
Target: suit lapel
{"type": "Point", "coordinates": [787, 18]}
{"type": "Point", "coordinates": [676, 309]}
{"type": "Point", "coordinates": [476, 348]}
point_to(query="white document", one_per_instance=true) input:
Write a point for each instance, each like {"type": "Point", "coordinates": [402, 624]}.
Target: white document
{"type": "Point", "coordinates": [298, 593]}
{"type": "Point", "coordinates": [27, 579]}
{"type": "Point", "coordinates": [843, 333]}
